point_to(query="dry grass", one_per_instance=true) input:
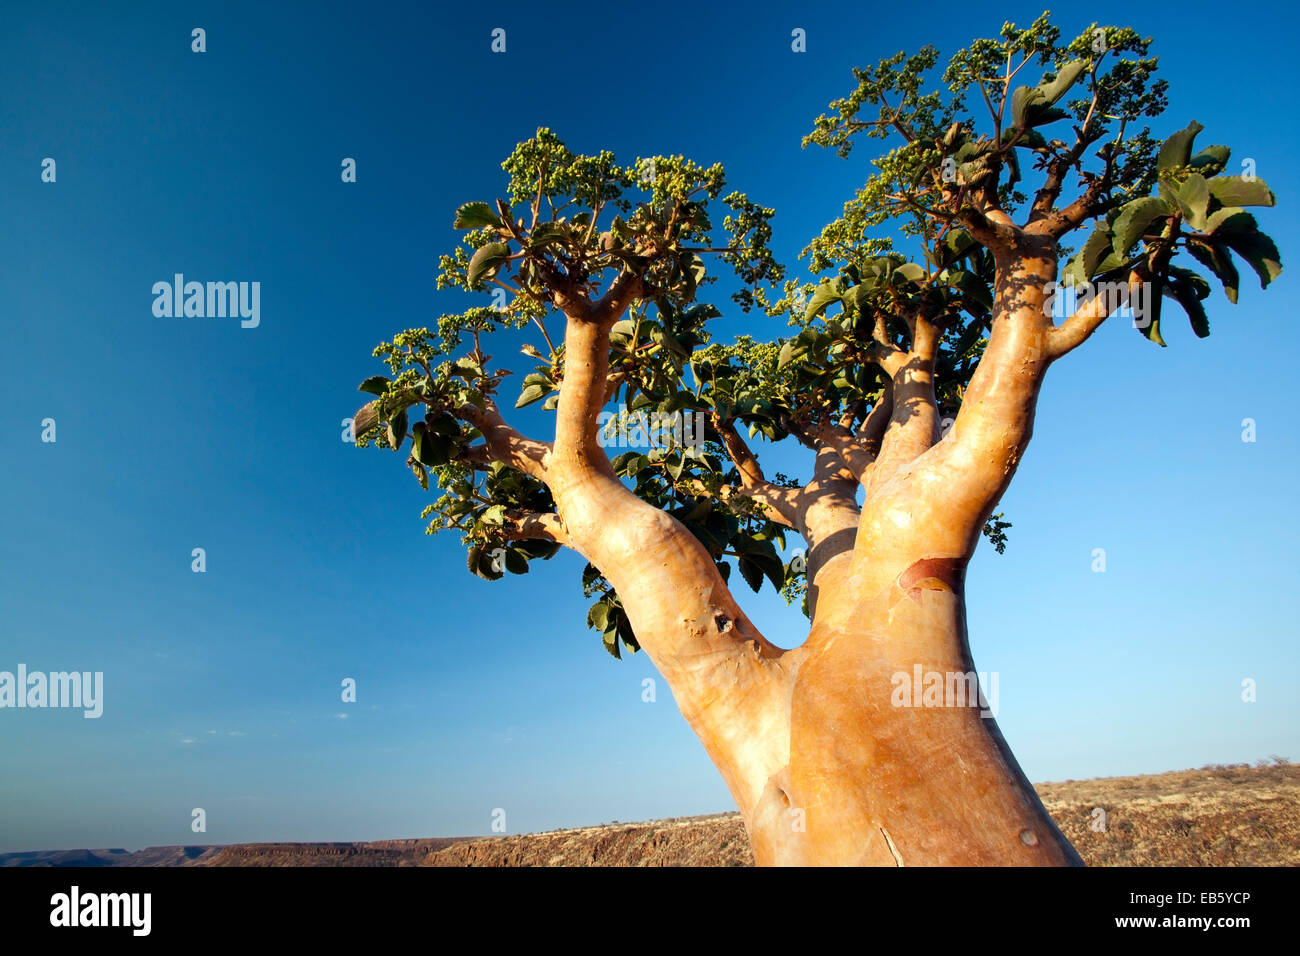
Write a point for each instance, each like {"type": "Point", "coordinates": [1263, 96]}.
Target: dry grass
{"type": "Point", "coordinates": [1225, 816]}
{"type": "Point", "coordinates": [1222, 816]}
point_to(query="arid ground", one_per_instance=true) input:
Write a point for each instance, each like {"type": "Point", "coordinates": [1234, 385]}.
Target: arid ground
{"type": "Point", "coordinates": [1216, 816]}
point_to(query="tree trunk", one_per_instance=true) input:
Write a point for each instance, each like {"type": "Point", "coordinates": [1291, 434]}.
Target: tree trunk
{"type": "Point", "coordinates": [885, 772]}
{"type": "Point", "coordinates": [831, 759]}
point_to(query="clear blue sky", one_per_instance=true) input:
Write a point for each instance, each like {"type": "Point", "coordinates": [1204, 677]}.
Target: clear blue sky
{"type": "Point", "coordinates": [222, 689]}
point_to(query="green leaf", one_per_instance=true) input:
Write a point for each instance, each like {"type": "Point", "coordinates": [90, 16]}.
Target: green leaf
{"type": "Point", "coordinates": [663, 337]}
{"type": "Point", "coordinates": [493, 515]}
{"type": "Point", "coordinates": [1177, 149]}
{"type": "Point", "coordinates": [856, 298]}
{"type": "Point", "coordinates": [546, 234]}
{"type": "Point", "coordinates": [624, 630]}
{"type": "Point", "coordinates": [1194, 200]}
{"type": "Point", "coordinates": [1166, 192]}
{"type": "Point", "coordinates": [366, 417]}
{"type": "Point", "coordinates": [958, 242]}
{"type": "Point", "coordinates": [1066, 77]}
{"type": "Point", "coordinates": [444, 424]}
{"type": "Point", "coordinates": [642, 400]}
{"type": "Point", "coordinates": [1191, 303]}
{"type": "Point", "coordinates": [1215, 257]}
{"type": "Point", "coordinates": [375, 385]}
{"type": "Point", "coordinates": [396, 430]}
{"type": "Point", "coordinates": [1111, 262]}
{"type": "Point", "coordinates": [620, 462]}
{"type": "Point", "coordinates": [1025, 139]}
{"type": "Point", "coordinates": [598, 616]}
{"type": "Point", "coordinates": [825, 294]}
{"type": "Point", "coordinates": [1236, 191]}
{"type": "Point", "coordinates": [421, 474]}
{"type": "Point", "coordinates": [911, 271]}
{"type": "Point", "coordinates": [1197, 281]}
{"type": "Point", "coordinates": [629, 464]}
{"type": "Point", "coordinates": [1152, 329]}
{"type": "Point", "coordinates": [475, 215]}
{"type": "Point", "coordinates": [487, 258]}
{"type": "Point", "coordinates": [429, 447]}
{"type": "Point", "coordinates": [1020, 103]}
{"type": "Point", "coordinates": [1230, 219]}
{"type": "Point", "coordinates": [534, 549]}
{"type": "Point", "coordinates": [1134, 220]}
{"type": "Point", "coordinates": [751, 572]}
{"type": "Point", "coordinates": [1258, 250]}
{"type": "Point", "coordinates": [1040, 114]}
{"type": "Point", "coordinates": [1083, 266]}
{"type": "Point", "coordinates": [1211, 155]}
{"type": "Point", "coordinates": [516, 563]}
{"type": "Point", "coordinates": [676, 402]}
{"type": "Point", "coordinates": [530, 394]}
{"type": "Point", "coordinates": [789, 352]}
{"type": "Point", "coordinates": [467, 368]}
{"type": "Point", "coordinates": [479, 561]}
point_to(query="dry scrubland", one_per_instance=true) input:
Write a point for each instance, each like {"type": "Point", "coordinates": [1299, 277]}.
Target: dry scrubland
{"type": "Point", "coordinates": [1222, 816]}
{"type": "Point", "coordinates": [1216, 816]}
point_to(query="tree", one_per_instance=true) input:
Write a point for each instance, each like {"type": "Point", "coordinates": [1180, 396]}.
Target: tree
{"type": "Point", "coordinates": [946, 293]}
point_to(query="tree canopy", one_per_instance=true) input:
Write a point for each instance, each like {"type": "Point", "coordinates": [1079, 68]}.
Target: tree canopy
{"type": "Point", "coordinates": [1010, 148]}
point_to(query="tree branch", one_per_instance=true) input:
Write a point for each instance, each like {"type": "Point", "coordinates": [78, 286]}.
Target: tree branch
{"type": "Point", "coordinates": [535, 526]}
{"type": "Point", "coordinates": [913, 425]}
{"type": "Point", "coordinates": [858, 450]}
{"type": "Point", "coordinates": [1057, 224]}
{"type": "Point", "coordinates": [751, 473]}
{"type": "Point", "coordinates": [780, 505]}
{"type": "Point", "coordinates": [853, 456]}
{"type": "Point", "coordinates": [622, 292]}
{"type": "Point", "coordinates": [505, 443]}
{"type": "Point", "coordinates": [1078, 328]}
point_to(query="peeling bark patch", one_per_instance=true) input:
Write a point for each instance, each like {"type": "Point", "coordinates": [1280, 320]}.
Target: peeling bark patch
{"type": "Point", "coordinates": [898, 857]}
{"type": "Point", "coordinates": [723, 622]}
{"type": "Point", "coordinates": [1028, 838]}
{"type": "Point", "coordinates": [931, 574]}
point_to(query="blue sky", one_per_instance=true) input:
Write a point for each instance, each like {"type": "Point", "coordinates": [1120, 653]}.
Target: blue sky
{"type": "Point", "coordinates": [222, 689]}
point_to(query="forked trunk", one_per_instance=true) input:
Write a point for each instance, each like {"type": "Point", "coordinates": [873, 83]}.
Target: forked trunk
{"type": "Point", "coordinates": [870, 743]}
